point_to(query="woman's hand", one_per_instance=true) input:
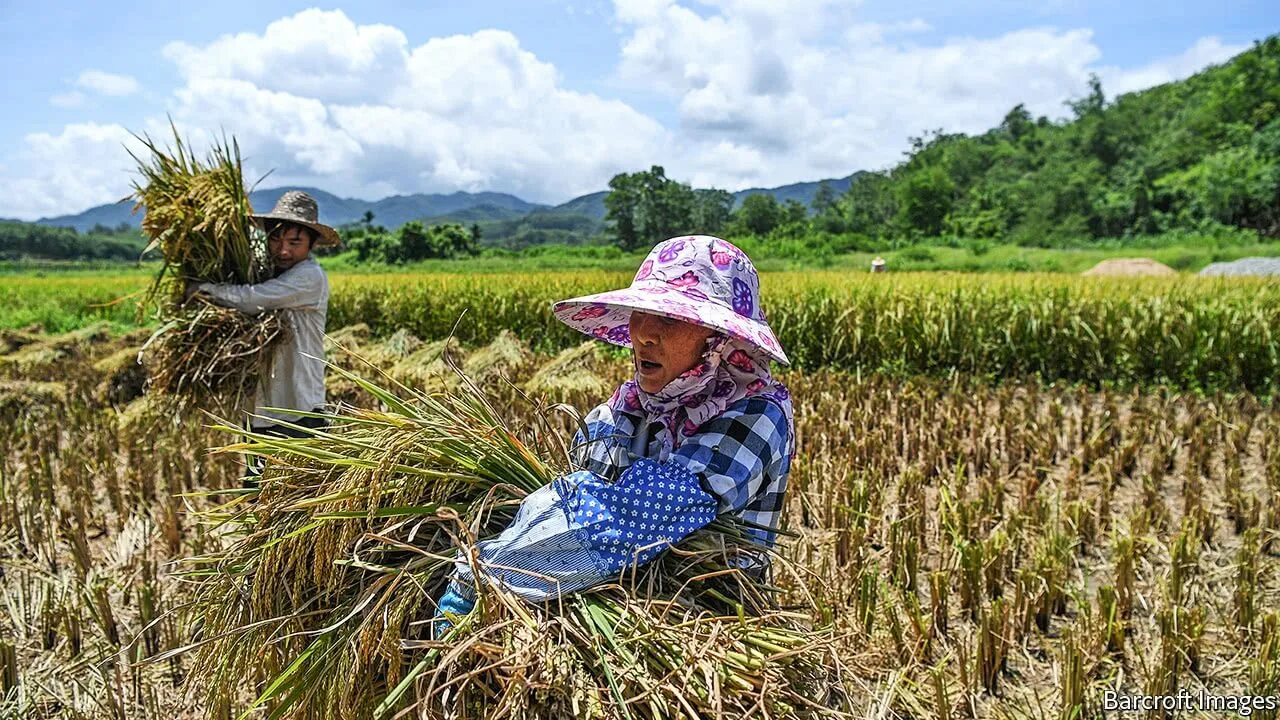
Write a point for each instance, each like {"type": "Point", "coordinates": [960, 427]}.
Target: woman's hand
{"type": "Point", "coordinates": [451, 602]}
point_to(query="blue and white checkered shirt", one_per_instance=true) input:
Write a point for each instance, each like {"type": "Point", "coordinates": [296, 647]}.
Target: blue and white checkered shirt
{"type": "Point", "coordinates": [623, 507]}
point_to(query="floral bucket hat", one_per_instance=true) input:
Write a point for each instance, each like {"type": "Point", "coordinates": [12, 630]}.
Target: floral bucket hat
{"type": "Point", "coordinates": [699, 279]}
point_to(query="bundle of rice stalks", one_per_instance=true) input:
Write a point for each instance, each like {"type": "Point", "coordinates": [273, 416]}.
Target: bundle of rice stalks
{"type": "Point", "coordinates": [28, 399]}
{"type": "Point", "coordinates": [430, 366]}
{"type": "Point", "coordinates": [197, 215]}
{"type": "Point", "coordinates": [577, 376]}
{"type": "Point", "coordinates": [141, 420]}
{"type": "Point", "coordinates": [347, 348]}
{"type": "Point", "coordinates": [11, 340]}
{"type": "Point", "coordinates": [123, 377]}
{"type": "Point", "coordinates": [209, 352]}
{"type": "Point", "coordinates": [56, 357]}
{"type": "Point", "coordinates": [506, 358]}
{"type": "Point", "coordinates": [400, 345]}
{"type": "Point", "coordinates": [349, 338]}
{"type": "Point", "coordinates": [320, 606]}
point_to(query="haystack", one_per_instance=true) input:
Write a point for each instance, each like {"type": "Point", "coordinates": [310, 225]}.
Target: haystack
{"type": "Point", "coordinates": [11, 340]}
{"type": "Point", "coordinates": [580, 375]}
{"type": "Point", "coordinates": [53, 358]}
{"type": "Point", "coordinates": [123, 377]}
{"type": "Point", "coordinates": [430, 367]}
{"type": "Point", "coordinates": [1130, 267]}
{"type": "Point", "coordinates": [30, 399]}
{"type": "Point", "coordinates": [504, 359]}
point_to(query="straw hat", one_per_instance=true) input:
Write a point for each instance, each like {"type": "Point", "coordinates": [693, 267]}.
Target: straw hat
{"type": "Point", "coordinates": [699, 279]}
{"type": "Point", "coordinates": [298, 207]}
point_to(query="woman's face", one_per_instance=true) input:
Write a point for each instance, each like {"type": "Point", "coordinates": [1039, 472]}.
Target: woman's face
{"type": "Point", "coordinates": [663, 349]}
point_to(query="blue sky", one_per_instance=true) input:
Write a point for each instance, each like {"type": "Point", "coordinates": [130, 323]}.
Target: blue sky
{"type": "Point", "coordinates": [548, 100]}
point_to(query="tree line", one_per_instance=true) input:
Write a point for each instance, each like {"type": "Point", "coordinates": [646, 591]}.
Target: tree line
{"type": "Point", "coordinates": [19, 240]}
{"type": "Point", "coordinates": [1201, 154]}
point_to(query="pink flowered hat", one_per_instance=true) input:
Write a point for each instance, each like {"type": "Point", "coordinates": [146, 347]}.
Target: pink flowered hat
{"type": "Point", "coordinates": [699, 279]}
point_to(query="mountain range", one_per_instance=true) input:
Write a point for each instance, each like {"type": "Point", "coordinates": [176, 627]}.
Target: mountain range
{"type": "Point", "coordinates": [394, 211]}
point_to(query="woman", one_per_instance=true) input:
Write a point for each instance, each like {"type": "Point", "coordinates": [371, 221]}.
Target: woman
{"type": "Point", "coordinates": [702, 429]}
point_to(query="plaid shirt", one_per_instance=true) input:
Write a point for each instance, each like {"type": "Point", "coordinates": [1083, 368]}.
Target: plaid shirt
{"type": "Point", "coordinates": [624, 507]}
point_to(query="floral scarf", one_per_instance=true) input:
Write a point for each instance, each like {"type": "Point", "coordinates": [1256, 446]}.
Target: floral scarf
{"type": "Point", "coordinates": [729, 372]}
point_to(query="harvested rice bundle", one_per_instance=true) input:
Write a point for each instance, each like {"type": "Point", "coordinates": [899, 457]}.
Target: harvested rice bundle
{"type": "Point", "coordinates": [578, 375]}
{"type": "Point", "coordinates": [340, 343]}
{"type": "Point", "coordinates": [346, 349]}
{"type": "Point", "coordinates": [123, 377]}
{"type": "Point", "coordinates": [400, 345]}
{"type": "Point", "coordinates": [197, 215]}
{"type": "Point", "coordinates": [505, 358]}
{"type": "Point", "coordinates": [206, 352]}
{"type": "Point", "coordinates": [54, 357]}
{"type": "Point", "coordinates": [322, 606]}
{"type": "Point", "coordinates": [28, 399]}
{"type": "Point", "coordinates": [430, 366]}
{"type": "Point", "coordinates": [11, 340]}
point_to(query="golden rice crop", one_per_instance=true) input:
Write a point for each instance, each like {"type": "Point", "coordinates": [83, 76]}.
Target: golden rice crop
{"type": "Point", "coordinates": [1192, 333]}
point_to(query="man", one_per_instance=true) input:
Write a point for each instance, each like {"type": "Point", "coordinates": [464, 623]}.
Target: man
{"type": "Point", "coordinates": [301, 290]}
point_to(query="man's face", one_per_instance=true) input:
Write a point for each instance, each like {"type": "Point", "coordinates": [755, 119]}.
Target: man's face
{"type": "Point", "coordinates": [288, 246]}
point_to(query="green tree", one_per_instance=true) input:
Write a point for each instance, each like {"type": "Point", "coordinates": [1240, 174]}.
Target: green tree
{"type": "Point", "coordinates": [924, 199]}
{"type": "Point", "coordinates": [760, 213]}
{"type": "Point", "coordinates": [646, 207]}
{"type": "Point", "coordinates": [824, 199]}
{"type": "Point", "coordinates": [711, 211]}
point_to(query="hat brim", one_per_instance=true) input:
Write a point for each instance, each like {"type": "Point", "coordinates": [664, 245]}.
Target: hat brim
{"type": "Point", "coordinates": [328, 236]}
{"type": "Point", "coordinates": [607, 316]}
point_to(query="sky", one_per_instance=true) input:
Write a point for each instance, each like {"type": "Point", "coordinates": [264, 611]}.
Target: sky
{"type": "Point", "coordinates": [549, 100]}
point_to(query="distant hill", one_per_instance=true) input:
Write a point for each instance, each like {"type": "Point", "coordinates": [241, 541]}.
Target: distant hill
{"type": "Point", "coordinates": [593, 205]}
{"type": "Point", "coordinates": [394, 211]}
{"type": "Point", "coordinates": [390, 212]}
{"type": "Point", "coordinates": [801, 192]}
{"type": "Point", "coordinates": [590, 205]}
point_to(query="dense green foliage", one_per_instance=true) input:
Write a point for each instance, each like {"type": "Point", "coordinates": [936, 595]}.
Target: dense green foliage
{"type": "Point", "coordinates": [411, 243]}
{"type": "Point", "coordinates": [1197, 155]}
{"type": "Point", "coordinates": [19, 240]}
{"type": "Point", "coordinates": [645, 206]}
{"type": "Point", "coordinates": [1187, 332]}
{"type": "Point", "coordinates": [1192, 154]}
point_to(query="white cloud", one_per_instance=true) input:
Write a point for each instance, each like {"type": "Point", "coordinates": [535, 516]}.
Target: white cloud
{"type": "Point", "coordinates": [86, 164]}
{"type": "Point", "coordinates": [357, 110]}
{"type": "Point", "coordinates": [105, 83]}
{"type": "Point", "coordinates": [1207, 51]}
{"type": "Point", "coordinates": [764, 93]}
{"type": "Point", "coordinates": [770, 92]}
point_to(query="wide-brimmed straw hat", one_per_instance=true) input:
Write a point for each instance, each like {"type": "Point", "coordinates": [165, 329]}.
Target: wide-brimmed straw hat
{"type": "Point", "coordinates": [699, 279]}
{"type": "Point", "coordinates": [298, 207]}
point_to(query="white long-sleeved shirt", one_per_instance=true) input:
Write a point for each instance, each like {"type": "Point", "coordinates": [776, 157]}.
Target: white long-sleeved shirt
{"type": "Point", "coordinates": [296, 380]}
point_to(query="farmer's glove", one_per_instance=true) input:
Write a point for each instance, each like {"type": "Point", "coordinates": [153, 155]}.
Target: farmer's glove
{"type": "Point", "coordinates": [453, 602]}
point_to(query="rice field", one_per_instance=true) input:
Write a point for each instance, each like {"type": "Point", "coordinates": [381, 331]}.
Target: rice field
{"type": "Point", "coordinates": [982, 550]}
{"type": "Point", "coordinates": [1190, 333]}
